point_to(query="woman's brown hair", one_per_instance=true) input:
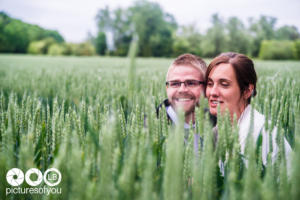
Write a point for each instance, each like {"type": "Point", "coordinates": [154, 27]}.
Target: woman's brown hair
{"type": "Point", "coordinates": [243, 68]}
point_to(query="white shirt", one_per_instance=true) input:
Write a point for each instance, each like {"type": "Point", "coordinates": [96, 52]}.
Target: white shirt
{"type": "Point", "coordinates": [259, 127]}
{"type": "Point", "coordinates": [173, 116]}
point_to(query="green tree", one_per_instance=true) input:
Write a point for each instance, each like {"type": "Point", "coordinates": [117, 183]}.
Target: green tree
{"type": "Point", "coordinates": [263, 29]}
{"type": "Point", "coordinates": [117, 23]}
{"type": "Point", "coordinates": [215, 39]}
{"type": "Point", "coordinates": [153, 27]}
{"type": "Point", "coordinates": [147, 20]}
{"type": "Point", "coordinates": [237, 35]}
{"type": "Point", "coordinates": [16, 35]}
{"type": "Point", "coordinates": [187, 39]}
{"type": "Point", "coordinates": [287, 33]}
{"type": "Point", "coordinates": [101, 43]}
{"type": "Point", "coordinates": [53, 34]}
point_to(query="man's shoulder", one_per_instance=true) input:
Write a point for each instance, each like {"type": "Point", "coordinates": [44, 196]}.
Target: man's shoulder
{"type": "Point", "coordinates": [164, 105]}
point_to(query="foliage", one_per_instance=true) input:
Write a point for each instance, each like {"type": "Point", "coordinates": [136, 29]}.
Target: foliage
{"type": "Point", "coordinates": [262, 29]}
{"type": "Point", "coordinates": [56, 49]}
{"type": "Point", "coordinates": [215, 39]}
{"type": "Point", "coordinates": [152, 25]}
{"type": "Point", "coordinates": [287, 33]}
{"type": "Point", "coordinates": [16, 36]}
{"type": "Point", "coordinates": [84, 49]}
{"type": "Point", "coordinates": [297, 49]}
{"type": "Point", "coordinates": [272, 49]}
{"type": "Point", "coordinates": [238, 36]}
{"type": "Point", "coordinates": [101, 43]}
{"type": "Point", "coordinates": [40, 47]}
{"type": "Point", "coordinates": [158, 33]}
{"type": "Point", "coordinates": [81, 116]}
{"type": "Point", "coordinates": [188, 39]}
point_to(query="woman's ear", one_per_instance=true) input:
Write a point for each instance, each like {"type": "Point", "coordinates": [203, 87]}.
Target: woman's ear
{"type": "Point", "coordinates": [249, 91]}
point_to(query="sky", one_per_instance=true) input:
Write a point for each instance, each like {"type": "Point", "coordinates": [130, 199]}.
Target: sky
{"type": "Point", "coordinates": [73, 19]}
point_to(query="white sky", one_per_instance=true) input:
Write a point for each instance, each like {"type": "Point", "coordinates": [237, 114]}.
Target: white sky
{"type": "Point", "coordinates": [73, 18]}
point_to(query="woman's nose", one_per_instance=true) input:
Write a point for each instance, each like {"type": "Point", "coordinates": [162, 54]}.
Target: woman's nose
{"type": "Point", "coordinates": [214, 90]}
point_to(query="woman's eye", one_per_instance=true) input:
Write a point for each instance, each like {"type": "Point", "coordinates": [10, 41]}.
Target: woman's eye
{"type": "Point", "coordinates": [210, 84]}
{"type": "Point", "coordinates": [224, 84]}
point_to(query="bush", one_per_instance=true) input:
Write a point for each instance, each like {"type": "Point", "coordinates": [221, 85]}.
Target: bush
{"type": "Point", "coordinates": [70, 49]}
{"type": "Point", "coordinates": [84, 49]}
{"type": "Point", "coordinates": [41, 46]}
{"type": "Point", "coordinates": [180, 46]}
{"type": "Point", "coordinates": [275, 50]}
{"type": "Point", "coordinates": [297, 49]}
{"type": "Point", "coordinates": [56, 49]}
{"type": "Point", "coordinates": [36, 47]}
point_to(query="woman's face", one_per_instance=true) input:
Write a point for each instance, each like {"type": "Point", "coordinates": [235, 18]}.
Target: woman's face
{"type": "Point", "coordinates": [223, 90]}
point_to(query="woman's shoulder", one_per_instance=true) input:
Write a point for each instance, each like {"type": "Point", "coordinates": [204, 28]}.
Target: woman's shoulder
{"type": "Point", "coordinates": [257, 123]}
{"type": "Point", "coordinates": [258, 118]}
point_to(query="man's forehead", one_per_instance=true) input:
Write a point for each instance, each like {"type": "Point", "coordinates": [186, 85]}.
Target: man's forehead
{"type": "Point", "coordinates": [184, 70]}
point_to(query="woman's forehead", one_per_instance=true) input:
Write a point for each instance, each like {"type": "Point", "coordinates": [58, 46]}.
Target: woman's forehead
{"type": "Point", "coordinates": [222, 71]}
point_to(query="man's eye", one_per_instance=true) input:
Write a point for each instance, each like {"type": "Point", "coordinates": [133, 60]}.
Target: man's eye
{"type": "Point", "coordinates": [175, 84]}
{"type": "Point", "coordinates": [191, 83]}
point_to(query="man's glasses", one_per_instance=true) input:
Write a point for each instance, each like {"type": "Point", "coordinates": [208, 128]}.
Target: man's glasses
{"type": "Point", "coordinates": [187, 83]}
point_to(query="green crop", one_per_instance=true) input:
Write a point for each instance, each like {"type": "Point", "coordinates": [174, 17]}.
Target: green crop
{"type": "Point", "coordinates": [94, 119]}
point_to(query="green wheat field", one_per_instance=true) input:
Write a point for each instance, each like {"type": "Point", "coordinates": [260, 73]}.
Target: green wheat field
{"type": "Point", "coordinates": [93, 118]}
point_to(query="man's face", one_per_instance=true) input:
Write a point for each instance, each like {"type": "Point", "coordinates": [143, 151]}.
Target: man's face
{"type": "Point", "coordinates": [184, 96]}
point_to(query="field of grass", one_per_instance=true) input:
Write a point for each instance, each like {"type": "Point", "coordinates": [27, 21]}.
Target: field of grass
{"type": "Point", "coordinates": [85, 117]}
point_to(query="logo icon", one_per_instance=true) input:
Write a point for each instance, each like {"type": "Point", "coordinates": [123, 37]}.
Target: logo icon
{"type": "Point", "coordinates": [34, 171]}
{"type": "Point", "coordinates": [50, 175]}
{"type": "Point", "coordinates": [15, 177]}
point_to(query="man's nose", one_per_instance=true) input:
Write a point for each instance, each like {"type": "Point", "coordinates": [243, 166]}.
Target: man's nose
{"type": "Point", "coordinates": [182, 87]}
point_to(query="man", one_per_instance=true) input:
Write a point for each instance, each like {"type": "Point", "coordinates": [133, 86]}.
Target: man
{"type": "Point", "coordinates": [184, 86]}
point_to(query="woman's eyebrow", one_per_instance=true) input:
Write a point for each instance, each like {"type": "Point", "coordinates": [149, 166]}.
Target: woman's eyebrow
{"type": "Point", "coordinates": [224, 79]}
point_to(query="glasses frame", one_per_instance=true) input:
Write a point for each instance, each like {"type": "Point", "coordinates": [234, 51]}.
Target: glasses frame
{"type": "Point", "coordinates": [185, 83]}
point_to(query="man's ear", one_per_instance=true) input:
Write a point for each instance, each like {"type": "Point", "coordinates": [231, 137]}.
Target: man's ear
{"type": "Point", "coordinates": [249, 91]}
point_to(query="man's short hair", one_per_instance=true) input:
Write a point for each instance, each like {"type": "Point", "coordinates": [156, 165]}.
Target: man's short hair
{"type": "Point", "coordinates": [189, 60]}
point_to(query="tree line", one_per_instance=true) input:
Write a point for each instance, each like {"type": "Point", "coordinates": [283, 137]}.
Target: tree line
{"type": "Point", "coordinates": [158, 35]}
{"type": "Point", "coordinates": [17, 36]}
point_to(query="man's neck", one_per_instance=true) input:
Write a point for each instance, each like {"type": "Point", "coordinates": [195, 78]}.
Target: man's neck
{"type": "Point", "coordinates": [190, 117]}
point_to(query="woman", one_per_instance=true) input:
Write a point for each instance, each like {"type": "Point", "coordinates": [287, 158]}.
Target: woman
{"type": "Point", "coordinates": [230, 84]}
